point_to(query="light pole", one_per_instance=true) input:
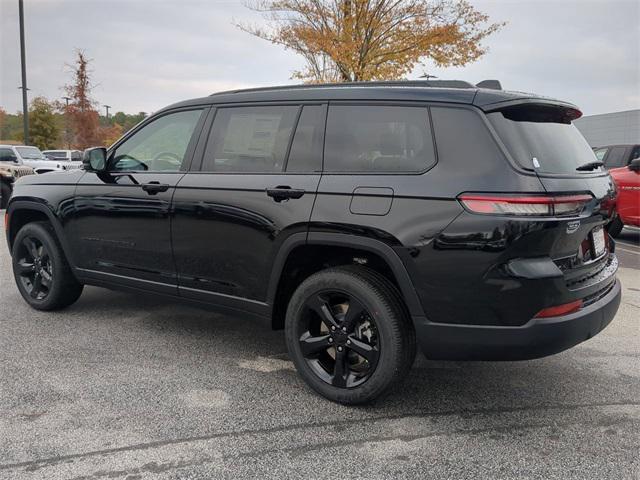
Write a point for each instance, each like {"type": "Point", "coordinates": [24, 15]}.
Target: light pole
{"type": "Point", "coordinates": [66, 122]}
{"type": "Point", "coordinates": [107, 107]}
{"type": "Point", "coordinates": [23, 61]}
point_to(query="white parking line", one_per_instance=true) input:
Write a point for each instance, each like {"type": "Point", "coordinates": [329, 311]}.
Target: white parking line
{"type": "Point", "coordinates": [627, 250]}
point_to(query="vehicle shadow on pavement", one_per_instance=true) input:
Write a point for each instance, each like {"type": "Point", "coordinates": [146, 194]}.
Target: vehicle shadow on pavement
{"type": "Point", "coordinates": [247, 346]}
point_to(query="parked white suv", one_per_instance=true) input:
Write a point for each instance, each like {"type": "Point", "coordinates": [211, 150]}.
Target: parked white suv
{"type": "Point", "coordinates": [30, 157]}
{"type": "Point", "coordinates": [70, 159]}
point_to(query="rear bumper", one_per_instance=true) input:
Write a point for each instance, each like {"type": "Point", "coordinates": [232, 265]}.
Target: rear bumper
{"type": "Point", "coordinates": [537, 338]}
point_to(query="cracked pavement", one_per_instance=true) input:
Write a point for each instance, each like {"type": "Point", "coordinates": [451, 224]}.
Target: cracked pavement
{"type": "Point", "coordinates": [126, 387]}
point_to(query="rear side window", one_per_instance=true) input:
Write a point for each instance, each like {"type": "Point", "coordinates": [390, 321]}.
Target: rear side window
{"type": "Point", "coordinates": [546, 134]}
{"type": "Point", "coordinates": [600, 153]}
{"type": "Point", "coordinates": [616, 157]}
{"type": "Point", "coordinates": [306, 149]}
{"type": "Point", "coordinates": [377, 139]}
{"type": "Point", "coordinates": [249, 139]}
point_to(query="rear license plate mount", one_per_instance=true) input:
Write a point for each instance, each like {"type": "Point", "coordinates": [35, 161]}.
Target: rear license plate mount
{"type": "Point", "coordinates": [598, 241]}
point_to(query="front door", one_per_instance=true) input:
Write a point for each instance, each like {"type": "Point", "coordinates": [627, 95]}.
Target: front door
{"type": "Point", "coordinates": [256, 187]}
{"type": "Point", "coordinates": [121, 223]}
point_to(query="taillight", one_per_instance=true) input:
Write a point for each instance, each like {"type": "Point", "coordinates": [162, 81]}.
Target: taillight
{"type": "Point", "coordinates": [558, 310]}
{"type": "Point", "coordinates": [535, 205]}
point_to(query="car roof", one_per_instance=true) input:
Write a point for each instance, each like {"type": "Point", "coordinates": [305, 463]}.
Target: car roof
{"type": "Point", "coordinates": [451, 91]}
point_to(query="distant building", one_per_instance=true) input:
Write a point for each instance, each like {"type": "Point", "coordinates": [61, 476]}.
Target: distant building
{"type": "Point", "coordinates": [618, 128]}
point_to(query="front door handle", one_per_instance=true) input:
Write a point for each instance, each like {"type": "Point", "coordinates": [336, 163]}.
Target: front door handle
{"type": "Point", "coordinates": [155, 187]}
{"type": "Point", "coordinates": [283, 193]}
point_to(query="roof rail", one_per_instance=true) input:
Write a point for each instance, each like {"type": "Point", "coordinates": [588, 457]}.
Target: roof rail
{"type": "Point", "coordinates": [385, 83]}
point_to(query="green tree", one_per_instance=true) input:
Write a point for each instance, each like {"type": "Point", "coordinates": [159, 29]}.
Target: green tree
{"type": "Point", "coordinates": [43, 127]}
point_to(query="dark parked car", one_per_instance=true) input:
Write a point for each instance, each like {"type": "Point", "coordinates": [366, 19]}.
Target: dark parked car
{"type": "Point", "coordinates": [363, 219]}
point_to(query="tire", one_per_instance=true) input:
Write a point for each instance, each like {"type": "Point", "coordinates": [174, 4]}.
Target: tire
{"type": "Point", "coordinates": [38, 261]}
{"type": "Point", "coordinates": [5, 193]}
{"type": "Point", "coordinates": [379, 327]}
{"type": "Point", "coordinates": [615, 227]}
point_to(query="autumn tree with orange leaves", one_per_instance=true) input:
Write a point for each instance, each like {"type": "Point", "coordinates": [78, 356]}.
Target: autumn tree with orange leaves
{"type": "Point", "coordinates": [82, 113]}
{"type": "Point", "coordinates": [360, 40]}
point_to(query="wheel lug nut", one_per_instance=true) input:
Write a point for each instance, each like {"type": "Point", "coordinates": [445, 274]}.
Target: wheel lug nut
{"type": "Point", "coordinates": [333, 329]}
{"type": "Point", "coordinates": [348, 342]}
{"type": "Point", "coordinates": [339, 349]}
{"type": "Point", "coordinates": [344, 329]}
{"type": "Point", "coordinates": [330, 340]}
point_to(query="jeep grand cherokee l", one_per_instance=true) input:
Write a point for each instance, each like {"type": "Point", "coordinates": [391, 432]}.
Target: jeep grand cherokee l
{"type": "Point", "coordinates": [363, 219]}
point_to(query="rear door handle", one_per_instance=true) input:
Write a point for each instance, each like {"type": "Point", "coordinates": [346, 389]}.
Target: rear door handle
{"type": "Point", "coordinates": [155, 187]}
{"type": "Point", "coordinates": [283, 193]}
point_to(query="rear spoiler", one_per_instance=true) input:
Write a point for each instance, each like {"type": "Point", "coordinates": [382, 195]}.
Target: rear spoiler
{"type": "Point", "coordinates": [537, 108]}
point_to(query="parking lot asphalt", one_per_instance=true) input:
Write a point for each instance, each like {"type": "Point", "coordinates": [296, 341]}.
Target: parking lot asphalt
{"type": "Point", "coordinates": [120, 386]}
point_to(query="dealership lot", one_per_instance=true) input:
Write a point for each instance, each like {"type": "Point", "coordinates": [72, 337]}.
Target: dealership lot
{"type": "Point", "coordinates": [124, 387]}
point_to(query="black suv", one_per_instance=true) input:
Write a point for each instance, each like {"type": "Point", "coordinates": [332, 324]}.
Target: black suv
{"type": "Point", "coordinates": [363, 219]}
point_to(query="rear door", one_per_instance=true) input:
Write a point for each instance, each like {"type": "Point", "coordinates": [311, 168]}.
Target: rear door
{"type": "Point", "coordinates": [254, 187]}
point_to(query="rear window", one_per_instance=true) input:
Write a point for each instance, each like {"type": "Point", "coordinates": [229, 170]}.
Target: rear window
{"type": "Point", "coordinates": [545, 134]}
{"type": "Point", "coordinates": [368, 138]}
{"type": "Point", "coordinates": [56, 154]}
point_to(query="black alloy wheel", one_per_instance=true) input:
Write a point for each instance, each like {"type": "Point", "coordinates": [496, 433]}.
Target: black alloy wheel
{"type": "Point", "coordinates": [34, 268]}
{"type": "Point", "coordinates": [349, 334]}
{"type": "Point", "coordinates": [41, 270]}
{"type": "Point", "coordinates": [339, 340]}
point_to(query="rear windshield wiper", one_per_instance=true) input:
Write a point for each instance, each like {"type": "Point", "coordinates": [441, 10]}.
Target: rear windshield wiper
{"type": "Point", "coordinates": [590, 166]}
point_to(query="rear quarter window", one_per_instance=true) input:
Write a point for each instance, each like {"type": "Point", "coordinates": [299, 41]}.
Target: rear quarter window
{"type": "Point", "coordinates": [378, 139]}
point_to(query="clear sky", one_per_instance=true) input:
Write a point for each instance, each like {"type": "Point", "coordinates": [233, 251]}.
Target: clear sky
{"type": "Point", "coordinates": [147, 54]}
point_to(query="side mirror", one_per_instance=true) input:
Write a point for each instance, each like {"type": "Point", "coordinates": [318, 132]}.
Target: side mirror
{"type": "Point", "coordinates": [634, 166]}
{"type": "Point", "coordinates": [95, 159]}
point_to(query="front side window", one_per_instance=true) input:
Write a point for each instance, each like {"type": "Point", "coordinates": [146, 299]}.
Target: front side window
{"type": "Point", "coordinates": [376, 139]}
{"type": "Point", "coordinates": [7, 155]}
{"type": "Point", "coordinates": [158, 146]}
{"type": "Point", "coordinates": [617, 157]}
{"type": "Point", "coordinates": [249, 139]}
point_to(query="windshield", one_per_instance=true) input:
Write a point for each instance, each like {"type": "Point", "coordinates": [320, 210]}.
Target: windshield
{"type": "Point", "coordinates": [32, 153]}
{"type": "Point", "coordinates": [546, 134]}
{"type": "Point", "coordinates": [56, 154]}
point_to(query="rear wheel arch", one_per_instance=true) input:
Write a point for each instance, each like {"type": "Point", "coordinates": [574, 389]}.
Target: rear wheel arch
{"type": "Point", "coordinates": [301, 256]}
